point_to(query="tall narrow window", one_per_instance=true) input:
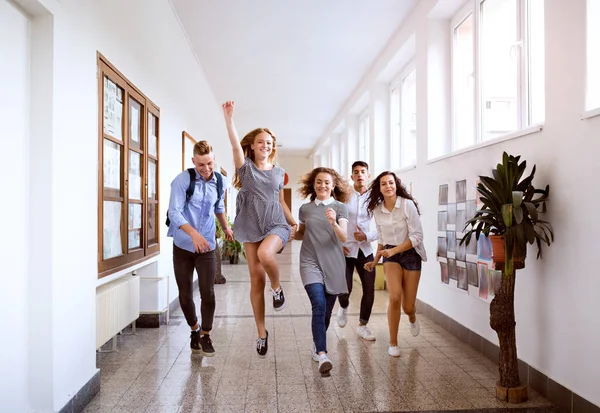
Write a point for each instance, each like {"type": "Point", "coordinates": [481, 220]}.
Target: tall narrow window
{"type": "Point", "coordinates": [464, 83]}
{"type": "Point", "coordinates": [363, 137]}
{"type": "Point", "coordinates": [395, 125]}
{"type": "Point", "coordinates": [593, 55]}
{"type": "Point", "coordinates": [498, 62]}
{"type": "Point", "coordinates": [408, 120]}
{"type": "Point", "coordinates": [128, 182]}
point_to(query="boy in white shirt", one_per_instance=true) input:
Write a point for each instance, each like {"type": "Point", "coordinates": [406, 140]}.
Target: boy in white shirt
{"type": "Point", "coordinates": [358, 251]}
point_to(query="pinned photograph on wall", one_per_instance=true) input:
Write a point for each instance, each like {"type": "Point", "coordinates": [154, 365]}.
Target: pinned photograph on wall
{"type": "Point", "coordinates": [462, 278]}
{"type": "Point", "coordinates": [442, 220]}
{"type": "Point", "coordinates": [461, 219]}
{"type": "Point", "coordinates": [452, 214]}
{"type": "Point", "coordinates": [477, 200]}
{"type": "Point", "coordinates": [471, 209]}
{"type": "Point", "coordinates": [451, 237]}
{"type": "Point", "coordinates": [452, 271]}
{"type": "Point", "coordinates": [442, 247]}
{"type": "Point", "coordinates": [472, 247]}
{"type": "Point", "coordinates": [443, 195]}
{"type": "Point", "coordinates": [496, 281]}
{"type": "Point", "coordinates": [444, 271]}
{"type": "Point", "coordinates": [461, 252]}
{"type": "Point", "coordinates": [484, 248]}
{"type": "Point", "coordinates": [472, 274]}
{"type": "Point", "coordinates": [482, 270]}
{"type": "Point", "coordinates": [461, 190]}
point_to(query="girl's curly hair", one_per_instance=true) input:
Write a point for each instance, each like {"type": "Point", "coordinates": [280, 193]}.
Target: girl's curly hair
{"type": "Point", "coordinates": [341, 191]}
{"type": "Point", "coordinates": [376, 197]}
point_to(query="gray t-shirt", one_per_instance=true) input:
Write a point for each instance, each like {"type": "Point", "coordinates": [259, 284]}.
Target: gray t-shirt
{"type": "Point", "coordinates": [321, 256]}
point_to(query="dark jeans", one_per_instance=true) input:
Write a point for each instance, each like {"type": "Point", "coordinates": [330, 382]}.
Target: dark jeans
{"type": "Point", "coordinates": [184, 263]}
{"type": "Point", "coordinates": [367, 279]}
{"type": "Point", "coordinates": [322, 306]}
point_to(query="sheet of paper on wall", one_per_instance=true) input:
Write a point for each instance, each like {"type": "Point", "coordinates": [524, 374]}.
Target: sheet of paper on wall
{"type": "Point", "coordinates": [151, 179]}
{"type": "Point", "coordinates": [112, 246]}
{"type": "Point", "coordinates": [135, 124]}
{"type": "Point", "coordinates": [112, 165]}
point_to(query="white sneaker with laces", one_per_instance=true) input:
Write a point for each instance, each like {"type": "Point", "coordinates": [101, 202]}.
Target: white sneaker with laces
{"type": "Point", "coordinates": [414, 328]}
{"type": "Point", "coordinates": [342, 318]}
{"type": "Point", "coordinates": [325, 364]}
{"type": "Point", "coordinates": [364, 333]}
{"type": "Point", "coordinates": [394, 351]}
{"type": "Point", "coordinates": [315, 356]}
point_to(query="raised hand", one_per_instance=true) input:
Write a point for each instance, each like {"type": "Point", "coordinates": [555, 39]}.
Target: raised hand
{"type": "Point", "coordinates": [228, 109]}
{"type": "Point", "coordinates": [330, 215]}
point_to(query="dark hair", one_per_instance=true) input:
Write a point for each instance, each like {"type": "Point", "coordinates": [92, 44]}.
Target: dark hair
{"type": "Point", "coordinates": [341, 191]}
{"type": "Point", "coordinates": [359, 163]}
{"type": "Point", "coordinates": [376, 197]}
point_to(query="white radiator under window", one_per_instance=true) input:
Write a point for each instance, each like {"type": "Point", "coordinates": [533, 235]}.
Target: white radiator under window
{"type": "Point", "coordinates": [117, 306]}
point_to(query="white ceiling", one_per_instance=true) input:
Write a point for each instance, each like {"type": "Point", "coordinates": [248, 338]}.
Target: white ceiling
{"type": "Point", "coordinates": [289, 65]}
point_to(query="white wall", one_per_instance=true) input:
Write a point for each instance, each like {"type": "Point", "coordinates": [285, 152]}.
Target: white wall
{"type": "Point", "coordinates": [558, 328]}
{"type": "Point", "coordinates": [147, 44]}
{"type": "Point", "coordinates": [14, 180]}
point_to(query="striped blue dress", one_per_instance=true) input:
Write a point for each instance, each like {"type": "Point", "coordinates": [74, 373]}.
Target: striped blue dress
{"type": "Point", "coordinates": [258, 210]}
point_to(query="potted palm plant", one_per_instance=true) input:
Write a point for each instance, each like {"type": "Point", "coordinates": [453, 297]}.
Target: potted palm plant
{"type": "Point", "coordinates": [219, 277]}
{"type": "Point", "coordinates": [510, 215]}
{"type": "Point", "coordinates": [232, 249]}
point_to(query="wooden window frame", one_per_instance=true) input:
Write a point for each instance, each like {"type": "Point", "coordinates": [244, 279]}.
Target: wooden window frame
{"type": "Point", "coordinates": [136, 255]}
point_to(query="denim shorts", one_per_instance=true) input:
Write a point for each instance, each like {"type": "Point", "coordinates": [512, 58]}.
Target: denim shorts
{"type": "Point", "coordinates": [409, 260]}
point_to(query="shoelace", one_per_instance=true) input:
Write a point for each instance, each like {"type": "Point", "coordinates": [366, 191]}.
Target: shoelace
{"type": "Point", "coordinates": [261, 343]}
{"type": "Point", "coordinates": [277, 294]}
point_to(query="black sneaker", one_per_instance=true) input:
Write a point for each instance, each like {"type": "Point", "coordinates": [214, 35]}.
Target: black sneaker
{"type": "Point", "coordinates": [278, 299]}
{"type": "Point", "coordinates": [206, 344]}
{"type": "Point", "coordinates": [195, 342]}
{"type": "Point", "coordinates": [262, 346]}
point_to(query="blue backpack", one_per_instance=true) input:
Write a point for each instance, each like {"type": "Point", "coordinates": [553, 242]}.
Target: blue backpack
{"type": "Point", "coordinates": [190, 191]}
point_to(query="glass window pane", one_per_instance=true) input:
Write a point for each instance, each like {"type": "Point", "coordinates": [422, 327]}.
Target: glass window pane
{"type": "Point", "coordinates": [537, 75]}
{"type": "Point", "coordinates": [111, 235]}
{"type": "Point", "coordinates": [593, 55]}
{"type": "Point", "coordinates": [152, 223]}
{"type": "Point", "coordinates": [113, 109]}
{"type": "Point", "coordinates": [499, 67]}
{"type": "Point", "coordinates": [408, 120]}
{"type": "Point", "coordinates": [112, 167]}
{"type": "Point", "coordinates": [395, 126]}
{"type": "Point", "coordinates": [135, 124]}
{"type": "Point", "coordinates": [151, 179]}
{"type": "Point", "coordinates": [135, 225]}
{"type": "Point", "coordinates": [152, 133]}
{"type": "Point", "coordinates": [463, 84]}
{"type": "Point", "coordinates": [135, 175]}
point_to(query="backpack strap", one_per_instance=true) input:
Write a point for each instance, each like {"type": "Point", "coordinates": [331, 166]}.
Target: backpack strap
{"type": "Point", "coordinates": [192, 186]}
{"type": "Point", "coordinates": [219, 178]}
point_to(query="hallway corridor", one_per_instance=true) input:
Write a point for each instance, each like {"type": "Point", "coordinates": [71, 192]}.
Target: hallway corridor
{"type": "Point", "coordinates": [154, 370]}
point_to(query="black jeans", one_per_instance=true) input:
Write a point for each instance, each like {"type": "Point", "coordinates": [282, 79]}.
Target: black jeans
{"type": "Point", "coordinates": [367, 278]}
{"type": "Point", "coordinates": [184, 263]}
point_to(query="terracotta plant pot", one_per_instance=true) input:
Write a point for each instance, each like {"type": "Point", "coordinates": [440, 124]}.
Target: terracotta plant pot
{"type": "Point", "coordinates": [499, 253]}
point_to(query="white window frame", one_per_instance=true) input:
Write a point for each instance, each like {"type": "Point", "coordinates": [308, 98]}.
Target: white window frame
{"type": "Point", "coordinates": [397, 142]}
{"type": "Point", "coordinates": [592, 104]}
{"type": "Point", "coordinates": [524, 121]}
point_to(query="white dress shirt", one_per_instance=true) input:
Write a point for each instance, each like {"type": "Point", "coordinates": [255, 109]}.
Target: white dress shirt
{"type": "Point", "coordinates": [400, 224]}
{"type": "Point", "coordinates": [359, 218]}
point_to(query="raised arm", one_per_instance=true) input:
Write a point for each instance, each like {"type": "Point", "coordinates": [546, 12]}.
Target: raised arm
{"type": "Point", "coordinates": [238, 153]}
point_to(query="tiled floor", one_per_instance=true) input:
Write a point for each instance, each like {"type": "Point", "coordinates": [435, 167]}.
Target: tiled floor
{"type": "Point", "coordinates": [154, 370]}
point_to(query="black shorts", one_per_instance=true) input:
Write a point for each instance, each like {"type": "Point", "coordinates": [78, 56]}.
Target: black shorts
{"type": "Point", "coordinates": [409, 260]}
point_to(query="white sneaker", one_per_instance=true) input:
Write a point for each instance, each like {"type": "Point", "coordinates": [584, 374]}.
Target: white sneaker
{"type": "Point", "coordinates": [394, 351]}
{"type": "Point", "coordinates": [342, 319]}
{"type": "Point", "coordinates": [364, 333]}
{"type": "Point", "coordinates": [325, 364]}
{"type": "Point", "coordinates": [414, 328]}
{"type": "Point", "coordinates": [315, 356]}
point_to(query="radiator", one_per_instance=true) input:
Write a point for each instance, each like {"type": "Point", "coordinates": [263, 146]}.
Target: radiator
{"type": "Point", "coordinates": [117, 306]}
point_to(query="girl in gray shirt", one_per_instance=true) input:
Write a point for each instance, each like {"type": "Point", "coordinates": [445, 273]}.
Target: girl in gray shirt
{"type": "Point", "coordinates": [322, 229]}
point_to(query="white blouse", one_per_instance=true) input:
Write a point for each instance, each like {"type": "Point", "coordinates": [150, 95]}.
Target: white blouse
{"type": "Point", "coordinates": [402, 223]}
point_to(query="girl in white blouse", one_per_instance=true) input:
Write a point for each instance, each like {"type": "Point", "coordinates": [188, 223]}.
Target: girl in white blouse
{"type": "Point", "coordinates": [400, 243]}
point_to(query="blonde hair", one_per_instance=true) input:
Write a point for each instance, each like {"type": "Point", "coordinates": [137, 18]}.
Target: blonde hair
{"type": "Point", "coordinates": [202, 148]}
{"type": "Point", "coordinates": [341, 191]}
{"type": "Point", "coordinates": [247, 142]}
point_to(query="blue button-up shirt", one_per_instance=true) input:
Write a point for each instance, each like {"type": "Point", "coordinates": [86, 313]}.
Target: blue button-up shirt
{"type": "Point", "coordinates": [198, 212]}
